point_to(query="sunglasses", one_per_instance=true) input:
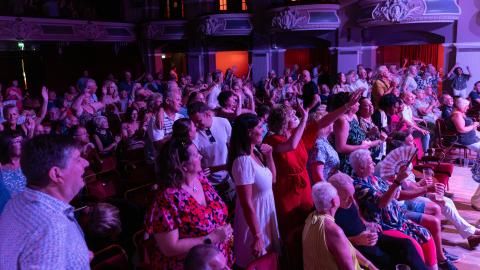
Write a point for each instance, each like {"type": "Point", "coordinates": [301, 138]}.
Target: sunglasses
{"type": "Point", "coordinates": [210, 135]}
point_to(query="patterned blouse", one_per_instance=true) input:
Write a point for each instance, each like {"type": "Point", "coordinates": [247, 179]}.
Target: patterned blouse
{"type": "Point", "coordinates": [176, 209]}
{"type": "Point", "coordinates": [13, 179]}
{"type": "Point", "coordinates": [368, 194]}
{"type": "Point", "coordinates": [356, 136]}
{"type": "Point", "coordinates": [323, 152]}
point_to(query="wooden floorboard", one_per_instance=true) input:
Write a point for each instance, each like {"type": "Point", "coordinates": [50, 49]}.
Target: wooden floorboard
{"type": "Point", "coordinates": [462, 185]}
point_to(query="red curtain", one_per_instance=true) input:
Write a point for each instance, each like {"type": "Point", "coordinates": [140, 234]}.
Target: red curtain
{"type": "Point", "coordinates": [305, 58]}
{"type": "Point", "coordinates": [429, 54]}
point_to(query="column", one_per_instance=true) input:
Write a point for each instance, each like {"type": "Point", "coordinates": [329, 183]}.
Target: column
{"type": "Point", "coordinates": [148, 54]}
{"type": "Point", "coordinates": [195, 65]}
{"type": "Point", "coordinates": [278, 60]}
{"type": "Point", "coordinates": [449, 55]}
{"type": "Point", "coordinates": [261, 64]}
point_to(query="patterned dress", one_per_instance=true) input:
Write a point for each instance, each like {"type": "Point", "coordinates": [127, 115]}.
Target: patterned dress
{"type": "Point", "coordinates": [355, 137]}
{"type": "Point", "coordinates": [392, 217]}
{"type": "Point", "coordinates": [324, 153]}
{"type": "Point", "coordinates": [176, 209]}
{"type": "Point", "coordinates": [13, 179]}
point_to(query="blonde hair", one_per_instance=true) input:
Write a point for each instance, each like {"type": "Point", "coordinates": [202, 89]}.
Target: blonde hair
{"type": "Point", "coordinates": [104, 220]}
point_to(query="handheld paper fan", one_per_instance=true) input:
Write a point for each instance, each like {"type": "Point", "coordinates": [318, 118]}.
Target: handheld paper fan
{"type": "Point", "coordinates": [397, 158]}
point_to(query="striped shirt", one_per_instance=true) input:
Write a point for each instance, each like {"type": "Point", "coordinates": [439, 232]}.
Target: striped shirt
{"type": "Point", "coordinates": [40, 232]}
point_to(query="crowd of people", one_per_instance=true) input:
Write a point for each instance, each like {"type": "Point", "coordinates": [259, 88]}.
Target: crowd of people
{"type": "Point", "coordinates": [242, 169]}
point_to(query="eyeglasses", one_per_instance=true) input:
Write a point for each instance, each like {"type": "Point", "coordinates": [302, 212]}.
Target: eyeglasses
{"type": "Point", "coordinates": [210, 135]}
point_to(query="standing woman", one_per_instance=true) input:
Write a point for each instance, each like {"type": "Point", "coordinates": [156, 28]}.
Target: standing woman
{"type": "Point", "coordinates": [348, 135]}
{"type": "Point", "coordinates": [291, 139]}
{"type": "Point", "coordinates": [187, 211]}
{"type": "Point", "coordinates": [459, 81]}
{"type": "Point", "coordinates": [251, 165]}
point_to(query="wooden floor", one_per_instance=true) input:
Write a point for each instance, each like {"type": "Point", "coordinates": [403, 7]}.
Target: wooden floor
{"type": "Point", "coordinates": [462, 185]}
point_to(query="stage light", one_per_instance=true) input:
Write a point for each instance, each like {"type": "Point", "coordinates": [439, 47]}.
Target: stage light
{"type": "Point", "coordinates": [21, 45]}
{"type": "Point", "coordinates": [163, 56]}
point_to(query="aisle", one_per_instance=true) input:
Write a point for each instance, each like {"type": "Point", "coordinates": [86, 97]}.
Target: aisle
{"type": "Point", "coordinates": [462, 185]}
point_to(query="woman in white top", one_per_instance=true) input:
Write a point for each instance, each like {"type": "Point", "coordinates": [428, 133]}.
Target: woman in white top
{"type": "Point", "coordinates": [253, 170]}
{"type": "Point", "coordinates": [409, 83]}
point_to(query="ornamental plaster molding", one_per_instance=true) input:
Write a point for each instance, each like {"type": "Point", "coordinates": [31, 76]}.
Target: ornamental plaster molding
{"type": "Point", "coordinates": [91, 31]}
{"type": "Point", "coordinates": [20, 29]}
{"type": "Point", "coordinates": [396, 11]}
{"type": "Point", "coordinates": [288, 19]}
{"type": "Point", "coordinates": [210, 26]}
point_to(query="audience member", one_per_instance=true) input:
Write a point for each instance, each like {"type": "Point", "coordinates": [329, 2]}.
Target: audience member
{"type": "Point", "coordinates": [205, 257]}
{"type": "Point", "coordinates": [187, 210]}
{"type": "Point", "coordinates": [325, 245]}
{"type": "Point", "coordinates": [38, 227]}
{"type": "Point", "coordinates": [253, 170]}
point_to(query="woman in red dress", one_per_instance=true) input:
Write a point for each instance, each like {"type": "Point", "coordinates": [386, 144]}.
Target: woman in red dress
{"type": "Point", "coordinates": [187, 211]}
{"type": "Point", "coordinates": [292, 191]}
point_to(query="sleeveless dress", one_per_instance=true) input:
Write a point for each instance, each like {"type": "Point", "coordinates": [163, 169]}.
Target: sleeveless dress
{"type": "Point", "coordinates": [314, 241]}
{"type": "Point", "coordinates": [356, 136]}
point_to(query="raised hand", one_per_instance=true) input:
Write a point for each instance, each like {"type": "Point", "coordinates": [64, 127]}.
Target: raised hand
{"type": "Point", "coordinates": [44, 93]}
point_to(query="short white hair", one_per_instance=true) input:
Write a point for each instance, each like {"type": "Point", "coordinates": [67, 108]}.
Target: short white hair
{"type": "Point", "coordinates": [461, 102]}
{"type": "Point", "coordinates": [358, 159]}
{"type": "Point", "coordinates": [340, 180]}
{"type": "Point", "coordinates": [323, 193]}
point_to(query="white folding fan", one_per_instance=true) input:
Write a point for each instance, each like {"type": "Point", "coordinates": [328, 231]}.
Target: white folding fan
{"type": "Point", "coordinates": [397, 158]}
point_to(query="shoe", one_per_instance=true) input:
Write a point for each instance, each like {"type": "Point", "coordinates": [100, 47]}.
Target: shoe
{"type": "Point", "coordinates": [451, 257]}
{"type": "Point", "coordinates": [473, 241]}
{"type": "Point", "coordinates": [446, 265]}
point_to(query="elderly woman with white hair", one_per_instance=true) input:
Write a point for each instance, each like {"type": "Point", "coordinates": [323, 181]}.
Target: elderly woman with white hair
{"type": "Point", "coordinates": [378, 203]}
{"type": "Point", "coordinates": [384, 248]}
{"type": "Point", "coordinates": [382, 86]}
{"type": "Point", "coordinates": [104, 140]}
{"type": "Point", "coordinates": [325, 245]}
{"type": "Point", "coordinates": [409, 84]}
{"type": "Point", "coordinates": [466, 130]}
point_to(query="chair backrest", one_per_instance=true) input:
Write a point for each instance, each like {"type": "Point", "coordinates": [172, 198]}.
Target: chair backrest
{"type": "Point", "coordinates": [268, 261]}
{"type": "Point", "coordinates": [141, 196]}
{"type": "Point", "coordinates": [109, 258]}
{"type": "Point", "coordinates": [445, 137]}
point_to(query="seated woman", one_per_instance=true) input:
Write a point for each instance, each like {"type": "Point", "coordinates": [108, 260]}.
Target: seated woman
{"type": "Point", "coordinates": [325, 246]}
{"type": "Point", "coordinates": [104, 140]}
{"type": "Point", "coordinates": [101, 224]}
{"type": "Point", "coordinates": [378, 203]}
{"type": "Point", "coordinates": [135, 123]}
{"type": "Point", "coordinates": [385, 250]}
{"type": "Point", "coordinates": [417, 206]}
{"type": "Point", "coordinates": [466, 135]}
{"type": "Point", "coordinates": [11, 174]}
{"type": "Point", "coordinates": [187, 211]}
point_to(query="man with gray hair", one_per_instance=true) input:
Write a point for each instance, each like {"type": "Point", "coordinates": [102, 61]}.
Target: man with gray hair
{"type": "Point", "coordinates": [383, 250]}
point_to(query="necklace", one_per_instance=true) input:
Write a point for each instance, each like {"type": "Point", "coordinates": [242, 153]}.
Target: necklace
{"type": "Point", "coordinates": [194, 187]}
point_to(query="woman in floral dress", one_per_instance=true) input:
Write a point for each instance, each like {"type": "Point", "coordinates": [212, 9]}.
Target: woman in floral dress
{"type": "Point", "coordinates": [378, 203]}
{"type": "Point", "coordinates": [187, 211]}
